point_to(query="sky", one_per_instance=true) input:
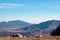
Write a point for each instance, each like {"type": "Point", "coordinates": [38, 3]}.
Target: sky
{"type": "Point", "coordinates": [32, 11]}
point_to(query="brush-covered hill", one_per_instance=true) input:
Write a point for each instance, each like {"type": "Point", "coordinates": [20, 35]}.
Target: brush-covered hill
{"type": "Point", "coordinates": [42, 28]}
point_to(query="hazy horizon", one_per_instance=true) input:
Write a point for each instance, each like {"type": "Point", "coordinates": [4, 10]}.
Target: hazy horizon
{"type": "Point", "coordinates": [32, 11]}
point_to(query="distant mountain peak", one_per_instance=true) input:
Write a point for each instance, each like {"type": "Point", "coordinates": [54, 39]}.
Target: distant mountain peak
{"type": "Point", "coordinates": [13, 24]}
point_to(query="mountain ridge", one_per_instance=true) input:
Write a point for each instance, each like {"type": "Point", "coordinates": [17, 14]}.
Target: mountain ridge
{"type": "Point", "coordinates": [13, 24]}
{"type": "Point", "coordinates": [42, 28]}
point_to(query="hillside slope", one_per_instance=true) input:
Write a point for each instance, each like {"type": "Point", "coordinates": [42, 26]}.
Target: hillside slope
{"type": "Point", "coordinates": [42, 28]}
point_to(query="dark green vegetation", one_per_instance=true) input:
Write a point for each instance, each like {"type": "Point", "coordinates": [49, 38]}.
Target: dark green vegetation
{"type": "Point", "coordinates": [56, 32]}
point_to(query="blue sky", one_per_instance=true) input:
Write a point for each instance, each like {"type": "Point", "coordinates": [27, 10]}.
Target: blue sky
{"type": "Point", "coordinates": [33, 11]}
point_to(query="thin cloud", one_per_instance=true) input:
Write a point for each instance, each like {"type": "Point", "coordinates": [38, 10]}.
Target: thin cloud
{"type": "Point", "coordinates": [53, 5]}
{"type": "Point", "coordinates": [9, 5]}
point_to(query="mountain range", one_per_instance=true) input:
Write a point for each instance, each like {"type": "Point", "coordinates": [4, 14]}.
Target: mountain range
{"type": "Point", "coordinates": [42, 28]}
{"type": "Point", "coordinates": [28, 29]}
